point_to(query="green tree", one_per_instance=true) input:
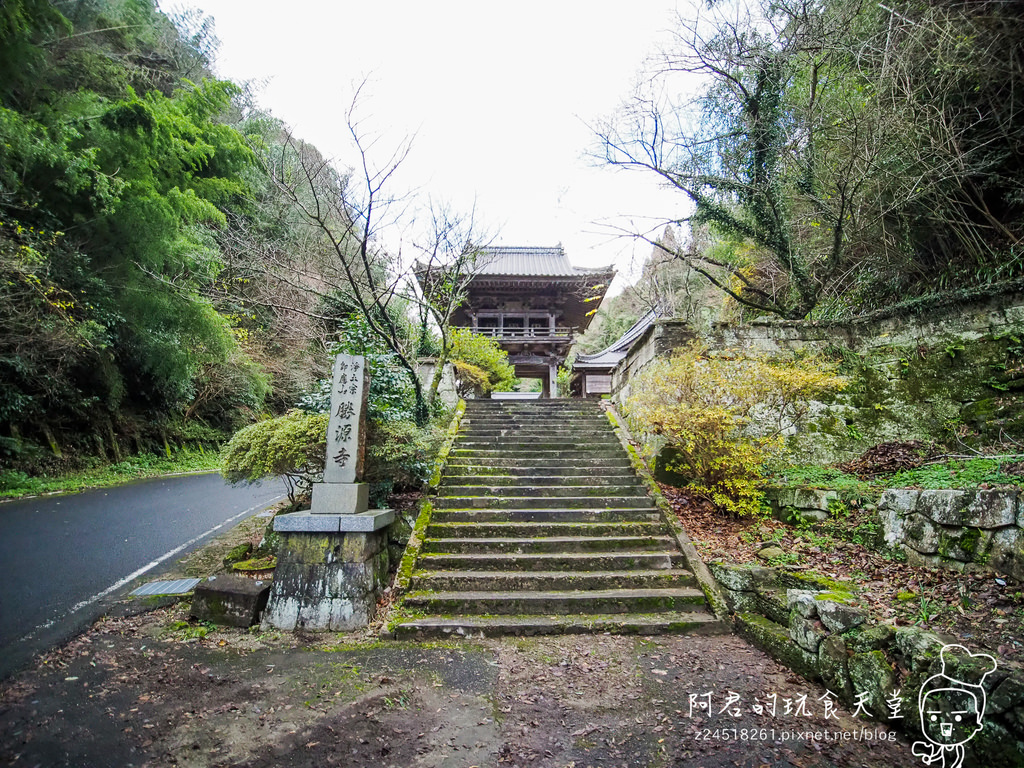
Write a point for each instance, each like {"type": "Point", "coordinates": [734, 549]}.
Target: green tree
{"type": "Point", "coordinates": [481, 365]}
{"type": "Point", "coordinates": [115, 174]}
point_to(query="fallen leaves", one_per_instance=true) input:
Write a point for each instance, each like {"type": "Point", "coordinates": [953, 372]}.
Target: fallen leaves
{"type": "Point", "coordinates": [887, 458]}
{"type": "Point", "coordinates": [982, 609]}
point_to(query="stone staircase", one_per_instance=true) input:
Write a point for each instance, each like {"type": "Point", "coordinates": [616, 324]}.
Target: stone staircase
{"type": "Point", "coordinates": [541, 526]}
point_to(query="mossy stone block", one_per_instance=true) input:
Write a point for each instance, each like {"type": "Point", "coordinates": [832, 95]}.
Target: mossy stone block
{"type": "Point", "coordinates": [838, 616]}
{"type": "Point", "coordinates": [771, 602]}
{"type": "Point", "coordinates": [742, 578]}
{"type": "Point", "coordinates": [832, 661]}
{"type": "Point", "coordinates": [228, 600]}
{"type": "Point", "coordinates": [813, 581]}
{"type": "Point", "coordinates": [802, 602]}
{"type": "Point", "coordinates": [875, 638]}
{"type": "Point", "coordinates": [774, 639]}
{"type": "Point", "coordinates": [807, 633]}
{"type": "Point", "coordinates": [921, 534]}
{"type": "Point", "coordinates": [918, 648]}
{"type": "Point", "coordinates": [1008, 694]}
{"type": "Point", "coordinates": [967, 545]}
{"type": "Point", "coordinates": [872, 674]}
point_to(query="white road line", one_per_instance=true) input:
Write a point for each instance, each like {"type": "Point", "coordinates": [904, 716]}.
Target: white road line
{"type": "Point", "coordinates": [135, 574]}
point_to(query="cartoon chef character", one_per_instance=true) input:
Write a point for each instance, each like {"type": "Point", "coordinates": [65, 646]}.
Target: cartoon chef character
{"type": "Point", "coordinates": [951, 709]}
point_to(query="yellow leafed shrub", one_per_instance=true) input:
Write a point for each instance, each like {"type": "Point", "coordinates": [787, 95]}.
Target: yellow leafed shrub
{"type": "Point", "coordinates": [719, 417]}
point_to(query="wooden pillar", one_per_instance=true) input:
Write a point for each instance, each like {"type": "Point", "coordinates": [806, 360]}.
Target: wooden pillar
{"type": "Point", "coordinates": [551, 385]}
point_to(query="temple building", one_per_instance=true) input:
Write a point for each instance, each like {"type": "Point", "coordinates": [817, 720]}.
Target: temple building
{"type": "Point", "coordinates": [592, 374]}
{"type": "Point", "coordinates": [533, 302]}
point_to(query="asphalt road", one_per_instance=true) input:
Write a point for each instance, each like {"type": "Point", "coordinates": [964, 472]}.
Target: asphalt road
{"type": "Point", "coordinates": [62, 556]}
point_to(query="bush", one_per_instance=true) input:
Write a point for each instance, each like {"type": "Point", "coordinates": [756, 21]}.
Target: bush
{"type": "Point", "coordinates": [724, 416]}
{"type": "Point", "coordinates": [480, 364]}
{"type": "Point", "coordinates": [293, 446]}
{"type": "Point", "coordinates": [399, 457]}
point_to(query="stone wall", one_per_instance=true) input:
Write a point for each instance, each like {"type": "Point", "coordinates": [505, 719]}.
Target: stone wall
{"type": "Point", "coordinates": [967, 530]}
{"type": "Point", "coordinates": [657, 341]}
{"type": "Point", "coordinates": [446, 390]}
{"type": "Point", "coordinates": [951, 370]}
{"type": "Point", "coordinates": [815, 627]}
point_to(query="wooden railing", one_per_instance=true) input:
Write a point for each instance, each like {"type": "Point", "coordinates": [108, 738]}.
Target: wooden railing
{"type": "Point", "coordinates": [526, 333]}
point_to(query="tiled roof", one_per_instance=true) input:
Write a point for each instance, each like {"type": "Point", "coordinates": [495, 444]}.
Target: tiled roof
{"type": "Point", "coordinates": [611, 355]}
{"type": "Point", "coordinates": [530, 262]}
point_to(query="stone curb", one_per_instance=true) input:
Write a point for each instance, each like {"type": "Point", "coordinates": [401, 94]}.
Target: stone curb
{"type": "Point", "coordinates": [708, 585]}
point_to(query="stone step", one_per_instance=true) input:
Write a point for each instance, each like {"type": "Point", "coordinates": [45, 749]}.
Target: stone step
{"type": "Point", "coordinates": [540, 502]}
{"type": "Point", "coordinates": [564, 417]}
{"type": "Point", "coordinates": [540, 544]}
{"type": "Point", "coordinates": [519, 530]}
{"type": "Point", "coordinates": [548, 434]}
{"type": "Point", "coordinates": [553, 425]}
{"type": "Point", "coordinates": [534, 422]}
{"type": "Point", "coordinates": [552, 561]}
{"type": "Point", "coordinates": [595, 420]}
{"type": "Point", "coordinates": [448, 581]}
{"type": "Point", "coordinates": [635, 515]}
{"type": "Point", "coordinates": [541, 526]}
{"type": "Point", "coordinates": [488, 492]}
{"type": "Point", "coordinates": [546, 427]}
{"type": "Point", "coordinates": [540, 480]}
{"type": "Point", "coordinates": [512, 446]}
{"type": "Point", "coordinates": [544, 456]}
{"type": "Point", "coordinates": [558, 601]}
{"type": "Point", "coordinates": [695, 622]}
{"type": "Point", "coordinates": [519, 467]}
{"type": "Point", "coordinates": [529, 405]}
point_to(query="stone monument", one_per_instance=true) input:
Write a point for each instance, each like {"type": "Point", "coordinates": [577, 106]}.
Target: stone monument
{"type": "Point", "coordinates": [333, 558]}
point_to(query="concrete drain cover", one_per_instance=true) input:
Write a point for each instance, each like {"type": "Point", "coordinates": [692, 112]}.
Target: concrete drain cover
{"type": "Point", "coordinates": [178, 587]}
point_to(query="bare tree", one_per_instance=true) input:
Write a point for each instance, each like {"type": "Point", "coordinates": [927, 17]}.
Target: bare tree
{"type": "Point", "coordinates": [347, 211]}
{"type": "Point", "coordinates": [451, 253]}
{"type": "Point", "coordinates": [342, 215]}
{"type": "Point", "coordinates": [787, 151]}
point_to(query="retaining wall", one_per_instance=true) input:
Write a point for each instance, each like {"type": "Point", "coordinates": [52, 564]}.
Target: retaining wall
{"type": "Point", "coordinates": [953, 370]}
{"type": "Point", "coordinates": [815, 627]}
{"type": "Point", "coordinates": [964, 529]}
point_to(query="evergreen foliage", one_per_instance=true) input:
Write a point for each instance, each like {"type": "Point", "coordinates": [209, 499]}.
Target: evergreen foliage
{"type": "Point", "coordinates": [293, 446]}
{"type": "Point", "coordinates": [128, 193]}
{"type": "Point", "coordinates": [481, 365]}
{"type": "Point", "coordinates": [116, 172]}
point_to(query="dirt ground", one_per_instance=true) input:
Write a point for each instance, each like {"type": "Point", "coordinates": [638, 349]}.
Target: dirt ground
{"type": "Point", "coordinates": [157, 690]}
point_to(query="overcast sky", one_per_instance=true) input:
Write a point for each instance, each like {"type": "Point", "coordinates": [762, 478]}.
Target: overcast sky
{"type": "Point", "coordinates": [498, 95]}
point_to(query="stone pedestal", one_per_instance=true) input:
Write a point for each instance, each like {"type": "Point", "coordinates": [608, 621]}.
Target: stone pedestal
{"type": "Point", "coordinates": [327, 581]}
